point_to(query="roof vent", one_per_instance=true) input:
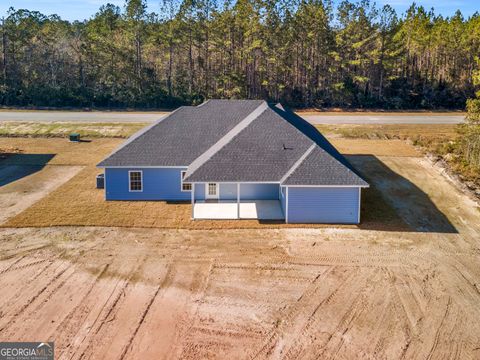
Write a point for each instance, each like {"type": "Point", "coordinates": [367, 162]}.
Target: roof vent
{"type": "Point", "coordinates": [286, 147]}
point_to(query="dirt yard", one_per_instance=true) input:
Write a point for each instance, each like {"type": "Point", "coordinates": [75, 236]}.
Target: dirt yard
{"type": "Point", "coordinates": [404, 284]}
{"type": "Point", "coordinates": [110, 293]}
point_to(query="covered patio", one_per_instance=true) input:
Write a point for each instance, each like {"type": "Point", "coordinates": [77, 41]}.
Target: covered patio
{"type": "Point", "coordinates": [247, 209]}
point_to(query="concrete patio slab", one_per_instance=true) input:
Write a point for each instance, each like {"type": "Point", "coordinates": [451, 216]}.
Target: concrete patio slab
{"type": "Point", "coordinates": [254, 209]}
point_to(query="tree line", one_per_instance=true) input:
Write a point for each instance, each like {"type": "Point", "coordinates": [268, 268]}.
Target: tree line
{"type": "Point", "coordinates": [304, 53]}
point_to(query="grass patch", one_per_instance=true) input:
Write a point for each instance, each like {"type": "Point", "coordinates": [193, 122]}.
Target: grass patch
{"type": "Point", "coordinates": [440, 140]}
{"type": "Point", "coordinates": [63, 129]}
{"type": "Point", "coordinates": [64, 152]}
{"type": "Point", "coordinates": [441, 132]}
{"type": "Point", "coordinates": [79, 203]}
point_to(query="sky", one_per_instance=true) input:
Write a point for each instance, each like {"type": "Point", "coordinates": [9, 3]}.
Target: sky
{"type": "Point", "coordinates": [84, 9]}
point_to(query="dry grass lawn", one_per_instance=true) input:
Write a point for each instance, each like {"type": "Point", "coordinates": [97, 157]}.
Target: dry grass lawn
{"type": "Point", "coordinates": [63, 129]}
{"type": "Point", "coordinates": [78, 202]}
{"type": "Point", "coordinates": [391, 131]}
{"type": "Point", "coordinates": [374, 147]}
{"type": "Point", "coordinates": [65, 152]}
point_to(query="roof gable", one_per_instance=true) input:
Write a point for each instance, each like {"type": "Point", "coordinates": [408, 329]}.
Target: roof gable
{"type": "Point", "coordinates": [182, 136]}
{"type": "Point", "coordinates": [238, 141]}
{"type": "Point", "coordinates": [263, 151]}
{"type": "Point", "coordinates": [320, 168]}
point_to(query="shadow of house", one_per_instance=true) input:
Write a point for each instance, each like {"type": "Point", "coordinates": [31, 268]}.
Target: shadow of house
{"type": "Point", "coordinates": [392, 197]}
{"type": "Point", "coordinates": [18, 166]}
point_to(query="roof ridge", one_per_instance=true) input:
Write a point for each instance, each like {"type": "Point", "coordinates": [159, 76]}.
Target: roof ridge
{"type": "Point", "coordinates": [290, 113]}
{"type": "Point", "coordinates": [297, 163]}
{"type": "Point", "coordinates": [336, 161]}
{"type": "Point", "coordinates": [203, 103]}
{"type": "Point", "coordinates": [203, 158]}
{"type": "Point", "coordinates": [139, 133]}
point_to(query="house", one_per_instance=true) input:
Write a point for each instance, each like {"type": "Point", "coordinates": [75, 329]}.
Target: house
{"type": "Point", "coordinates": [237, 159]}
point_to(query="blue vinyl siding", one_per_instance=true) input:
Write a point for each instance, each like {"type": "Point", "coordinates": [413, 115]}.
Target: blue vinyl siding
{"type": "Point", "coordinates": [200, 191]}
{"type": "Point", "coordinates": [323, 205]}
{"type": "Point", "coordinates": [158, 184]}
{"type": "Point", "coordinates": [259, 191]}
{"type": "Point", "coordinates": [228, 191]}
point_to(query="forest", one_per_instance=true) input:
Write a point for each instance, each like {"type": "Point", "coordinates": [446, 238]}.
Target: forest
{"type": "Point", "coordinates": [304, 53]}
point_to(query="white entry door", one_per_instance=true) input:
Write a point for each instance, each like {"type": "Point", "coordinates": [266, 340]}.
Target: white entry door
{"type": "Point", "coordinates": [211, 191]}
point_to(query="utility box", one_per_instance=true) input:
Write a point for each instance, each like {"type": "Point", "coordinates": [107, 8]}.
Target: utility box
{"type": "Point", "coordinates": [100, 181]}
{"type": "Point", "coordinates": [74, 137]}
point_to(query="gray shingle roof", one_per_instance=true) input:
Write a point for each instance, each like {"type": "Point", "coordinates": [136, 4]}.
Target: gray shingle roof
{"type": "Point", "coordinates": [181, 137]}
{"type": "Point", "coordinates": [320, 168]}
{"type": "Point", "coordinates": [238, 141]}
{"type": "Point", "coordinates": [264, 151]}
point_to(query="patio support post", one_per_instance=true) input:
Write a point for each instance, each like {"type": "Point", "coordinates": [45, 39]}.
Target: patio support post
{"type": "Point", "coordinates": [193, 200]}
{"type": "Point", "coordinates": [238, 200]}
{"type": "Point", "coordinates": [286, 204]}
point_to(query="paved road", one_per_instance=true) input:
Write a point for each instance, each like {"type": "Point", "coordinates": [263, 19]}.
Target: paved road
{"type": "Point", "coordinates": [78, 116]}
{"type": "Point", "coordinates": [134, 117]}
{"type": "Point", "coordinates": [384, 119]}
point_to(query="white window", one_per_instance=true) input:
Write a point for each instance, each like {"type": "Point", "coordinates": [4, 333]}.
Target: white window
{"type": "Point", "coordinates": [212, 189]}
{"type": "Point", "coordinates": [135, 181]}
{"type": "Point", "coordinates": [185, 186]}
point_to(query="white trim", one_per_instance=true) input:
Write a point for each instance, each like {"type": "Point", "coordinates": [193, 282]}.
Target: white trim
{"type": "Point", "coordinates": [143, 167]}
{"type": "Point", "coordinates": [182, 183]}
{"type": "Point", "coordinates": [359, 203]}
{"type": "Point", "coordinates": [193, 201]}
{"type": "Point", "coordinates": [241, 182]}
{"type": "Point", "coordinates": [238, 200]}
{"type": "Point", "coordinates": [217, 192]}
{"type": "Point", "coordinates": [129, 180]}
{"type": "Point", "coordinates": [286, 205]}
{"type": "Point", "coordinates": [332, 186]}
{"type": "Point", "coordinates": [279, 183]}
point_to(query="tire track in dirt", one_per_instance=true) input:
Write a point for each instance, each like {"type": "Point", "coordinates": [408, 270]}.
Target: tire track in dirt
{"type": "Point", "coordinates": [292, 314]}
{"type": "Point", "coordinates": [15, 291]}
{"type": "Point", "coordinates": [185, 338]}
{"type": "Point", "coordinates": [52, 309]}
{"type": "Point", "coordinates": [24, 266]}
{"type": "Point", "coordinates": [79, 329]}
{"type": "Point", "coordinates": [102, 321]}
{"type": "Point", "coordinates": [359, 308]}
{"type": "Point", "coordinates": [437, 332]}
{"type": "Point", "coordinates": [36, 296]}
{"type": "Point", "coordinates": [167, 279]}
{"type": "Point", "coordinates": [45, 307]}
{"type": "Point", "coordinates": [182, 294]}
{"type": "Point", "coordinates": [24, 250]}
{"type": "Point", "coordinates": [407, 300]}
{"type": "Point", "coordinates": [12, 264]}
{"type": "Point", "coordinates": [382, 327]}
{"type": "Point", "coordinates": [63, 325]}
{"type": "Point", "coordinates": [307, 338]}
